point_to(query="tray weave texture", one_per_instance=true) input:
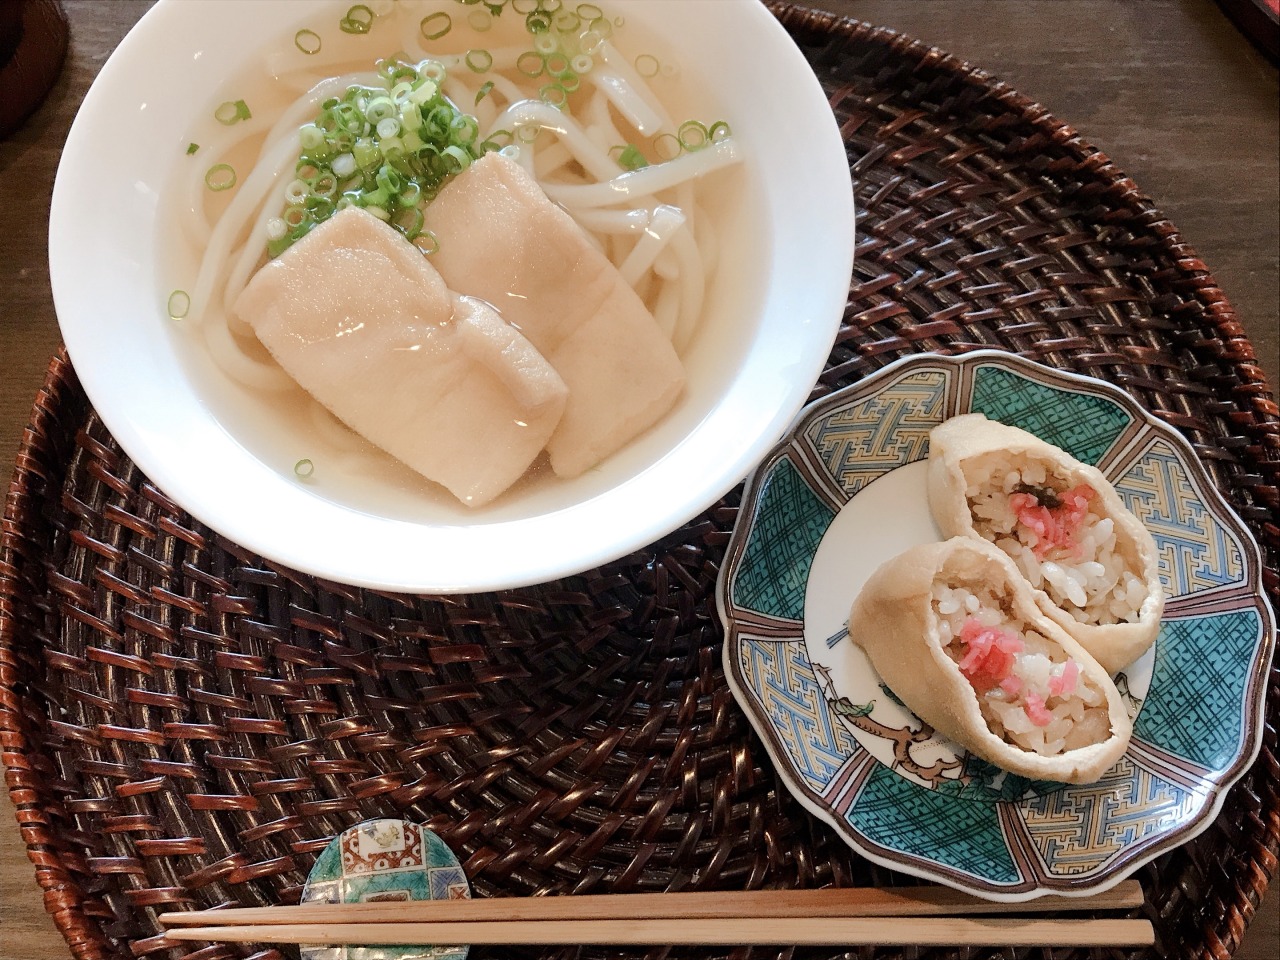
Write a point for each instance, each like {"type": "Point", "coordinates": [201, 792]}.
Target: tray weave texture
{"type": "Point", "coordinates": [185, 724]}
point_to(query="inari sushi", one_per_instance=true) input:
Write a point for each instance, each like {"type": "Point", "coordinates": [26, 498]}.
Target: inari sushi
{"type": "Point", "coordinates": [1090, 562]}
{"type": "Point", "coordinates": [956, 634]}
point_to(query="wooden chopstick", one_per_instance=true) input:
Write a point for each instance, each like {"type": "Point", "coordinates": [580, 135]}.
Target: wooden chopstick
{"type": "Point", "coordinates": [797, 931]}
{"type": "Point", "coordinates": [828, 902]}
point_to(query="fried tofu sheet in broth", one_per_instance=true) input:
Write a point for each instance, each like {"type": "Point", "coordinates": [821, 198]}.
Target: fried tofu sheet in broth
{"type": "Point", "coordinates": [367, 326]}
{"type": "Point", "coordinates": [502, 240]}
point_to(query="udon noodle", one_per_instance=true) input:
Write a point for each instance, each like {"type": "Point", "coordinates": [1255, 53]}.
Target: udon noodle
{"type": "Point", "coordinates": [608, 151]}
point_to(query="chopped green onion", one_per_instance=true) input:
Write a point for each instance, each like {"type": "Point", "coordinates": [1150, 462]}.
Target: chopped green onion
{"type": "Point", "coordinates": [538, 22]}
{"type": "Point", "coordinates": [602, 27]}
{"type": "Point", "coordinates": [221, 176]}
{"type": "Point", "coordinates": [631, 158]}
{"type": "Point", "coordinates": [647, 65]}
{"type": "Point", "coordinates": [436, 25]}
{"type": "Point", "coordinates": [524, 7]}
{"type": "Point", "coordinates": [531, 63]}
{"type": "Point", "coordinates": [409, 222]}
{"type": "Point", "coordinates": [308, 41]}
{"type": "Point", "coordinates": [465, 128]}
{"type": "Point", "coordinates": [358, 20]}
{"type": "Point", "coordinates": [550, 6]}
{"type": "Point", "coordinates": [693, 135]}
{"type": "Point", "coordinates": [409, 196]}
{"type": "Point", "coordinates": [458, 155]}
{"type": "Point", "coordinates": [484, 90]}
{"type": "Point", "coordinates": [718, 131]}
{"type": "Point", "coordinates": [379, 109]}
{"type": "Point", "coordinates": [310, 137]}
{"type": "Point", "coordinates": [179, 304]}
{"type": "Point", "coordinates": [320, 208]}
{"type": "Point", "coordinates": [582, 63]}
{"type": "Point", "coordinates": [667, 146]}
{"type": "Point", "coordinates": [304, 469]}
{"type": "Point", "coordinates": [387, 148]}
{"type": "Point", "coordinates": [426, 242]}
{"type": "Point", "coordinates": [192, 148]}
{"type": "Point", "coordinates": [480, 20]}
{"type": "Point", "coordinates": [554, 94]}
{"type": "Point", "coordinates": [557, 64]}
{"type": "Point", "coordinates": [589, 11]}
{"type": "Point", "coordinates": [566, 21]}
{"type": "Point", "coordinates": [619, 21]}
{"type": "Point", "coordinates": [232, 112]}
{"type": "Point", "coordinates": [492, 143]}
{"type": "Point", "coordinates": [392, 147]}
{"type": "Point", "coordinates": [296, 192]}
{"type": "Point", "coordinates": [344, 165]}
{"type": "Point", "coordinates": [546, 44]}
{"type": "Point", "coordinates": [479, 60]}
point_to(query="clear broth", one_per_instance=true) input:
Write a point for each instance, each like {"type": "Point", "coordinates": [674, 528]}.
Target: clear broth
{"type": "Point", "coordinates": [282, 427]}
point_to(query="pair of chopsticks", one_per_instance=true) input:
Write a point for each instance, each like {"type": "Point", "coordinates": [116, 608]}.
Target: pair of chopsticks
{"type": "Point", "coordinates": [866, 916]}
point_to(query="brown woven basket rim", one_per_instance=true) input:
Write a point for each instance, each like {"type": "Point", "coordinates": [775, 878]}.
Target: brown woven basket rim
{"type": "Point", "coordinates": [60, 390]}
{"type": "Point", "coordinates": [925, 54]}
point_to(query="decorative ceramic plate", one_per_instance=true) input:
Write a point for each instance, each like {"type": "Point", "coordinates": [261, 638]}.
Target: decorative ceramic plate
{"type": "Point", "coordinates": [844, 491]}
{"type": "Point", "coordinates": [385, 861]}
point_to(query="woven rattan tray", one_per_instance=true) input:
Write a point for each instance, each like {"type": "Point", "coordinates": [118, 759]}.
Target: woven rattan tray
{"type": "Point", "coordinates": [184, 723]}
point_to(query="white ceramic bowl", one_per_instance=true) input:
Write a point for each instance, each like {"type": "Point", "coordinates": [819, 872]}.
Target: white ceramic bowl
{"type": "Point", "coordinates": [227, 459]}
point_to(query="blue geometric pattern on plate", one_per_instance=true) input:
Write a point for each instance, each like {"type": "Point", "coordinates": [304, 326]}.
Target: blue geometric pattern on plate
{"type": "Point", "coordinates": [866, 440]}
{"type": "Point", "coordinates": [1082, 424]}
{"type": "Point", "coordinates": [444, 880]}
{"type": "Point", "coordinates": [1196, 551]}
{"type": "Point", "coordinates": [1077, 830]}
{"type": "Point", "coordinates": [1203, 665]}
{"type": "Point", "coordinates": [780, 675]}
{"type": "Point", "coordinates": [778, 556]}
{"type": "Point", "coordinates": [965, 836]}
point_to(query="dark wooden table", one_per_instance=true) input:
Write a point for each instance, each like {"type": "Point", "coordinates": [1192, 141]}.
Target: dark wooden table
{"type": "Point", "coordinates": [1167, 88]}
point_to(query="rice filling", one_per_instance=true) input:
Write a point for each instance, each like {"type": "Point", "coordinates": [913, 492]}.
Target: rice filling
{"type": "Point", "coordinates": [1057, 535]}
{"type": "Point", "coordinates": [1029, 691]}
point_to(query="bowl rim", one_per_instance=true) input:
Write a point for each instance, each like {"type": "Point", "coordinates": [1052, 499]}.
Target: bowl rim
{"type": "Point", "coordinates": [244, 503]}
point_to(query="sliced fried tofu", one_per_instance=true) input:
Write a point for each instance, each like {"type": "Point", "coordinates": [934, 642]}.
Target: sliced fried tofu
{"type": "Point", "coordinates": [366, 325]}
{"type": "Point", "coordinates": [502, 240]}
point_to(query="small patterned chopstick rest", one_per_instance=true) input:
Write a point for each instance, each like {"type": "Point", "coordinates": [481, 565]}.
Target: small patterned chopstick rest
{"type": "Point", "coordinates": [380, 861]}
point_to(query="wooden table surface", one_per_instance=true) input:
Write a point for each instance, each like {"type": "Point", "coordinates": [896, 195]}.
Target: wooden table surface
{"type": "Point", "coordinates": [1167, 88]}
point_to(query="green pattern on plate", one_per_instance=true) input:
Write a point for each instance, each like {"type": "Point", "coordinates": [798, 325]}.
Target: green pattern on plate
{"type": "Point", "coordinates": [895, 813]}
{"type": "Point", "coordinates": [775, 565]}
{"type": "Point", "coordinates": [1202, 666]}
{"type": "Point", "coordinates": [1084, 425]}
{"type": "Point", "coordinates": [1201, 709]}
